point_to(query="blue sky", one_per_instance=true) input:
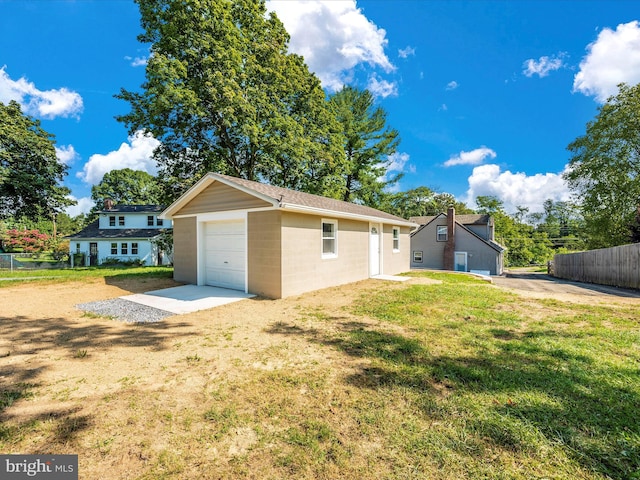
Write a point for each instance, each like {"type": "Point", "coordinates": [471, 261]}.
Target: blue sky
{"type": "Point", "coordinates": [486, 95]}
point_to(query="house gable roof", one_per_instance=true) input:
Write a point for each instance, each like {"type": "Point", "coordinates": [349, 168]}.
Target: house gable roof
{"type": "Point", "coordinates": [93, 231]}
{"type": "Point", "coordinates": [465, 219]}
{"type": "Point", "coordinates": [133, 209]}
{"type": "Point", "coordinates": [287, 199]}
{"type": "Point", "coordinates": [496, 246]}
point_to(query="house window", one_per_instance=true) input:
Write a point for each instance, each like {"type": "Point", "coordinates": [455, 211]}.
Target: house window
{"type": "Point", "coordinates": [114, 249]}
{"type": "Point", "coordinates": [124, 249]}
{"type": "Point", "coordinates": [112, 221]}
{"type": "Point", "coordinates": [441, 233]}
{"type": "Point", "coordinates": [417, 256]}
{"type": "Point", "coordinates": [121, 221]}
{"type": "Point", "coordinates": [396, 239]}
{"type": "Point", "coordinates": [77, 248]}
{"type": "Point", "coordinates": [134, 248]}
{"type": "Point", "coordinates": [159, 222]}
{"type": "Point", "coordinates": [150, 221]}
{"type": "Point", "coordinates": [329, 238]}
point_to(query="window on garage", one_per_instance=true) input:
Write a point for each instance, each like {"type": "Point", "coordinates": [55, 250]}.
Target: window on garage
{"type": "Point", "coordinates": [329, 238]}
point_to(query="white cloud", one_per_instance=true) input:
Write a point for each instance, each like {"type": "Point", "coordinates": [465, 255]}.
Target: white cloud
{"type": "Point", "coordinates": [516, 189]}
{"type": "Point", "coordinates": [474, 157]}
{"type": "Point", "coordinates": [612, 59]}
{"type": "Point", "coordinates": [397, 162]}
{"type": "Point", "coordinates": [84, 205]}
{"type": "Point", "coordinates": [544, 65]}
{"type": "Point", "coordinates": [137, 61]}
{"type": "Point", "coordinates": [40, 103]}
{"type": "Point", "coordinates": [333, 37]}
{"type": "Point", "coordinates": [136, 155]}
{"type": "Point", "coordinates": [382, 88]}
{"type": "Point", "coordinates": [452, 85]}
{"type": "Point", "coordinates": [406, 52]}
{"type": "Point", "coordinates": [66, 154]}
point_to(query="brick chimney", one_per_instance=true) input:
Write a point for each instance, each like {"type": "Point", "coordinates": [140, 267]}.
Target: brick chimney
{"type": "Point", "coordinates": [450, 247]}
{"type": "Point", "coordinates": [108, 204]}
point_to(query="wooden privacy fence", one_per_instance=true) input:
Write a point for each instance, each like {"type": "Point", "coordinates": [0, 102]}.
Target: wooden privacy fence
{"type": "Point", "coordinates": [616, 266]}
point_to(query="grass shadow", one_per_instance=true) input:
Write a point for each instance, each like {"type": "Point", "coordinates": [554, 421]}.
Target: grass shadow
{"type": "Point", "coordinates": [525, 392]}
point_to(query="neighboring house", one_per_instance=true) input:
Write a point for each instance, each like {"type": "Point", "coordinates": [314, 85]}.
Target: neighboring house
{"type": "Point", "coordinates": [464, 243]}
{"type": "Point", "coordinates": [124, 233]}
{"type": "Point", "coordinates": [275, 242]}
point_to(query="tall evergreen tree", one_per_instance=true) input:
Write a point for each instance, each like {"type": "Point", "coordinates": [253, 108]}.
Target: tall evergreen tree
{"type": "Point", "coordinates": [368, 144]}
{"type": "Point", "coordinates": [223, 94]}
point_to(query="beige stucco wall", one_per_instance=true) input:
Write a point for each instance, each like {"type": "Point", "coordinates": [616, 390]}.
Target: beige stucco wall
{"type": "Point", "coordinates": [185, 248]}
{"type": "Point", "coordinates": [395, 262]}
{"type": "Point", "coordinates": [304, 269]}
{"type": "Point", "coordinates": [219, 197]}
{"type": "Point", "coordinates": [264, 253]}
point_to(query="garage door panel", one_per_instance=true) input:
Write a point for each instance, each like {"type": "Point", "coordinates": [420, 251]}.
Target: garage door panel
{"type": "Point", "coordinates": [225, 254]}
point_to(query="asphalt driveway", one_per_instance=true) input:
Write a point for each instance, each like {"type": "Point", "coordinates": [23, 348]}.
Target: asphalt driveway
{"type": "Point", "coordinates": [542, 284]}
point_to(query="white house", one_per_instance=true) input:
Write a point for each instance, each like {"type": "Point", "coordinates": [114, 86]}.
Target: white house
{"type": "Point", "coordinates": [123, 233]}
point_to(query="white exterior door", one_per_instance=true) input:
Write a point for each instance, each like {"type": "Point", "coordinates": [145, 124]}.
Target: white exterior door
{"type": "Point", "coordinates": [225, 254]}
{"type": "Point", "coordinates": [374, 250]}
{"type": "Point", "coordinates": [460, 261]}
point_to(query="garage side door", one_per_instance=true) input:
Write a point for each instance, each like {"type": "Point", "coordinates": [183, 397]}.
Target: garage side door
{"type": "Point", "coordinates": [225, 254]}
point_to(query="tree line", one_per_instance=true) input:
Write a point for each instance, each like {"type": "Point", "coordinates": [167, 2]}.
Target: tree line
{"type": "Point", "coordinates": [222, 93]}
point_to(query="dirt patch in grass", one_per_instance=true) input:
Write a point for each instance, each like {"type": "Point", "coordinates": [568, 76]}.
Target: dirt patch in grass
{"type": "Point", "coordinates": [193, 393]}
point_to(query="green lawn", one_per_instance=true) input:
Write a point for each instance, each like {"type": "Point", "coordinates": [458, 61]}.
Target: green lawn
{"type": "Point", "coordinates": [71, 274]}
{"type": "Point", "coordinates": [500, 388]}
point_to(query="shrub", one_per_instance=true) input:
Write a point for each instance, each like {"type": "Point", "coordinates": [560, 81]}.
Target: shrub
{"type": "Point", "coordinates": [113, 261]}
{"type": "Point", "coordinates": [26, 241]}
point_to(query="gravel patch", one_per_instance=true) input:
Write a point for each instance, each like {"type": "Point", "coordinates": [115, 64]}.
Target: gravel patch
{"type": "Point", "coordinates": [125, 310]}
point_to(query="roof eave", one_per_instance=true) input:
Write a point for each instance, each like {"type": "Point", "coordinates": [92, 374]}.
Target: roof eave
{"type": "Point", "coordinates": [291, 207]}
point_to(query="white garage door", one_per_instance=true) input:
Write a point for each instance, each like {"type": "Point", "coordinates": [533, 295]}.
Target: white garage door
{"type": "Point", "coordinates": [225, 254]}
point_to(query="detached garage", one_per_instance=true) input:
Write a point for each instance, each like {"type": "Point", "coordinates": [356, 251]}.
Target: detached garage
{"type": "Point", "coordinates": [275, 242]}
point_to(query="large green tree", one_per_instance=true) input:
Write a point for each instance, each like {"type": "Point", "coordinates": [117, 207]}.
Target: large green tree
{"type": "Point", "coordinates": [604, 170]}
{"type": "Point", "coordinates": [368, 144]}
{"type": "Point", "coordinates": [222, 93]}
{"type": "Point", "coordinates": [127, 187]}
{"type": "Point", "coordinates": [421, 202]}
{"type": "Point", "coordinates": [30, 173]}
